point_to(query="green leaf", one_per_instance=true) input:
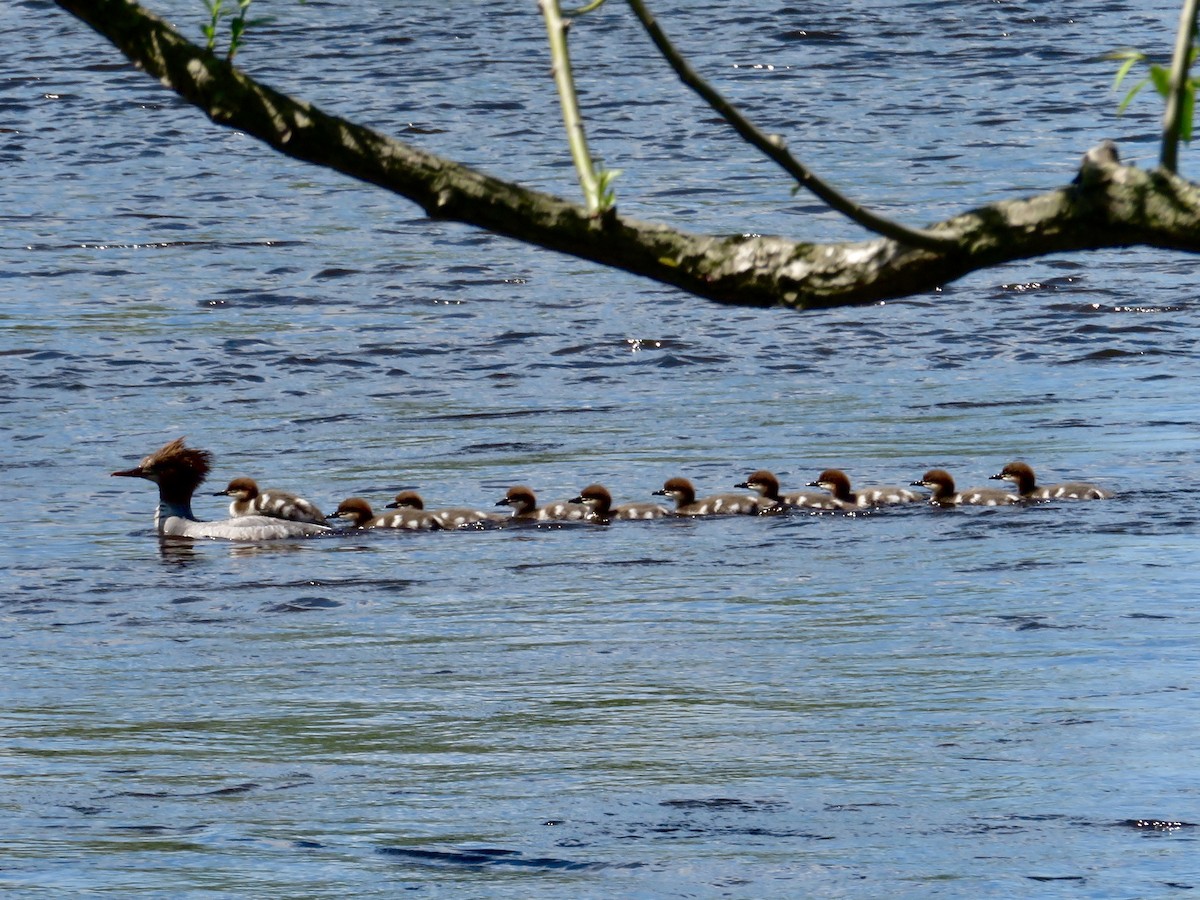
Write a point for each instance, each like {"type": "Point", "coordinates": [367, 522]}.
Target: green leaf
{"type": "Point", "coordinates": [1161, 79]}
{"type": "Point", "coordinates": [604, 182]}
{"type": "Point", "coordinates": [1131, 57]}
{"type": "Point", "coordinates": [1133, 92]}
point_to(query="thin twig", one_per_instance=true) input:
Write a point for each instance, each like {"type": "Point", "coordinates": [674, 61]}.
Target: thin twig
{"type": "Point", "coordinates": [564, 80]}
{"type": "Point", "coordinates": [775, 149]}
{"type": "Point", "coordinates": [583, 10]}
{"type": "Point", "coordinates": [1173, 117]}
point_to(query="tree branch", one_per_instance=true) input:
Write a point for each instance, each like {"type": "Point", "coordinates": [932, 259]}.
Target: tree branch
{"type": "Point", "coordinates": [1110, 205]}
{"type": "Point", "coordinates": [564, 81]}
{"type": "Point", "coordinates": [774, 147]}
{"type": "Point", "coordinates": [1180, 63]}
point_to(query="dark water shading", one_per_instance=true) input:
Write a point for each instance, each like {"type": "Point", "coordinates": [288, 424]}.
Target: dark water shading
{"type": "Point", "coordinates": [1155, 824]}
{"type": "Point", "coordinates": [303, 604]}
{"type": "Point", "coordinates": [619, 563]}
{"type": "Point", "coordinates": [217, 792]}
{"type": "Point", "coordinates": [487, 856]}
{"type": "Point", "coordinates": [724, 803]}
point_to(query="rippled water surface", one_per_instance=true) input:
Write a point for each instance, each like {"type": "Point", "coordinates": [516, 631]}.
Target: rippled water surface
{"type": "Point", "coordinates": [915, 702]}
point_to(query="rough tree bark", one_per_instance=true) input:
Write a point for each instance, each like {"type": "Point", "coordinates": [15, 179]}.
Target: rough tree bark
{"type": "Point", "coordinates": [1108, 204]}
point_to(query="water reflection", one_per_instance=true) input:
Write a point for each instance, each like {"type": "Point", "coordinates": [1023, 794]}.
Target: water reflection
{"type": "Point", "coordinates": [183, 552]}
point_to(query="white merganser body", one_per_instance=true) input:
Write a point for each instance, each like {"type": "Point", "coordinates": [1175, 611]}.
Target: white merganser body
{"type": "Point", "coordinates": [453, 517]}
{"type": "Point", "coordinates": [686, 504]}
{"type": "Point", "coordinates": [838, 484]}
{"type": "Point", "coordinates": [358, 513]}
{"type": "Point", "coordinates": [178, 470]}
{"type": "Point", "coordinates": [767, 486]}
{"type": "Point", "coordinates": [941, 483]}
{"type": "Point", "coordinates": [597, 498]}
{"type": "Point", "coordinates": [248, 500]}
{"type": "Point", "coordinates": [1021, 474]}
{"type": "Point", "coordinates": [525, 509]}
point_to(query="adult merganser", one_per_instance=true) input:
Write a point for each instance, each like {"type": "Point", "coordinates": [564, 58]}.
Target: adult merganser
{"type": "Point", "coordinates": [454, 517]}
{"type": "Point", "coordinates": [767, 486]}
{"type": "Point", "coordinates": [178, 470]}
{"type": "Point", "coordinates": [838, 484]}
{"type": "Point", "coordinates": [358, 513]}
{"type": "Point", "coordinates": [1022, 476]}
{"type": "Point", "coordinates": [248, 500]}
{"type": "Point", "coordinates": [944, 494]}
{"type": "Point", "coordinates": [525, 508]}
{"type": "Point", "coordinates": [686, 503]}
{"type": "Point", "coordinates": [597, 498]}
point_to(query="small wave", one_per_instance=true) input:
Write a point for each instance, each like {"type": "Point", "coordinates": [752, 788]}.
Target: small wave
{"type": "Point", "coordinates": [491, 856]}
{"type": "Point", "coordinates": [304, 604]}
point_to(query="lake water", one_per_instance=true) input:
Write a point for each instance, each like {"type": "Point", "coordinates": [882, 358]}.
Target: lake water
{"type": "Point", "coordinates": [965, 703]}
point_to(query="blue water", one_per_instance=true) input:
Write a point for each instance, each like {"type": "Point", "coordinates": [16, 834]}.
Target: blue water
{"type": "Point", "coordinates": [962, 703]}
